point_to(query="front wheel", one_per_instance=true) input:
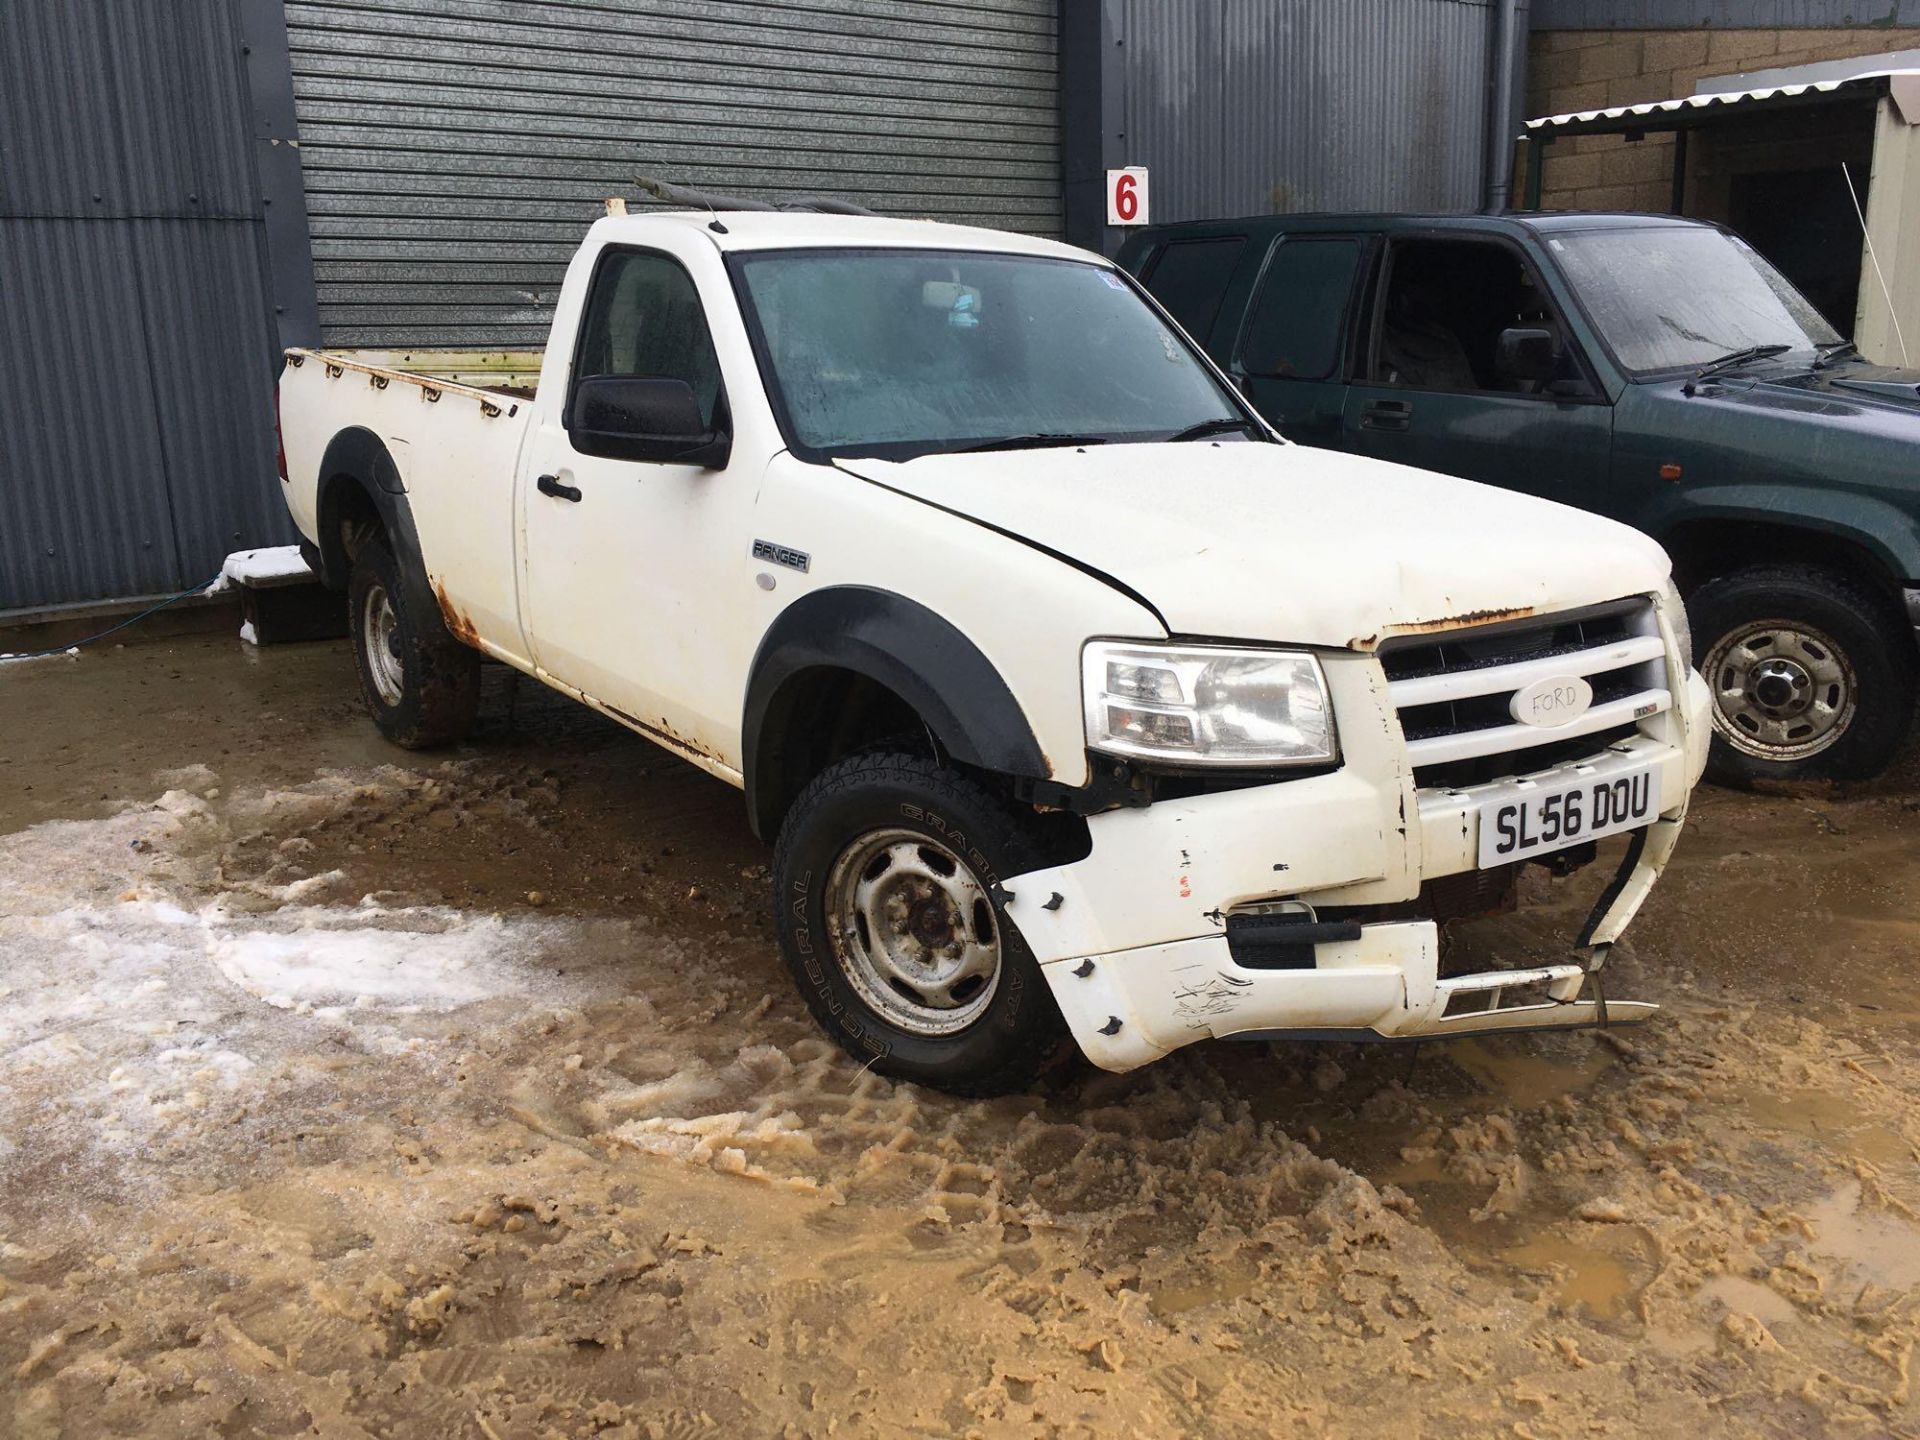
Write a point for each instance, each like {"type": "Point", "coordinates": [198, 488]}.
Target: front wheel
{"type": "Point", "coordinates": [892, 921]}
{"type": "Point", "coordinates": [1812, 678]}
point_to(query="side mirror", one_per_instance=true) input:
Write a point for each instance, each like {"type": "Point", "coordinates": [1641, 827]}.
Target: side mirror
{"type": "Point", "coordinates": [622, 417]}
{"type": "Point", "coordinates": [1527, 354]}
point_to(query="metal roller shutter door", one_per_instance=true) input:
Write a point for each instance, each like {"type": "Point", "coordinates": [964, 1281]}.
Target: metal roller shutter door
{"type": "Point", "coordinates": [455, 149]}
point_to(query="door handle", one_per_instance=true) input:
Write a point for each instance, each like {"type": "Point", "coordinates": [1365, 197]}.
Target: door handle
{"type": "Point", "coordinates": [1386, 414]}
{"type": "Point", "coordinates": [550, 485]}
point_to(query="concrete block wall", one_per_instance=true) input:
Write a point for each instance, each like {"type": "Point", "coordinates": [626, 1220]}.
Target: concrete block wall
{"type": "Point", "coordinates": [1569, 70]}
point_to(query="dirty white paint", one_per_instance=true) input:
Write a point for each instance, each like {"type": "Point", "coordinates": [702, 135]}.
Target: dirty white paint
{"type": "Point", "coordinates": [645, 600]}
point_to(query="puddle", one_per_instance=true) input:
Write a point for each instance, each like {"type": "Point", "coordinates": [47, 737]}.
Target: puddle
{"type": "Point", "coordinates": [1526, 1080]}
{"type": "Point", "coordinates": [1835, 1121]}
{"type": "Point", "coordinates": [1719, 1298]}
{"type": "Point", "coordinates": [1739, 1295]}
{"type": "Point", "coordinates": [1584, 1275]}
{"type": "Point", "coordinates": [1877, 1245]}
{"type": "Point", "coordinates": [1231, 1279]}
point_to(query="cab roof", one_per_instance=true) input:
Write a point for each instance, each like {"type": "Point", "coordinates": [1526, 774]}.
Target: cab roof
{"type": "Point", "coordinates": [808, 229]}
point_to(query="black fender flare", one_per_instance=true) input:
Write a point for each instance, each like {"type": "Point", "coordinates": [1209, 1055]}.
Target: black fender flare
{"type": "Point", "coordinates": [895, 642]}
{"type": "Point", "coordinates": [357, 460]}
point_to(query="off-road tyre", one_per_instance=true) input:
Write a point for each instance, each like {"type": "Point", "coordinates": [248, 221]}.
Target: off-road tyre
{"type": "Point", "coordinates": [1019, 1034]}
{"type": "Point", "coordinates": [1875, 655]}
{"type": "Point", "coordinates": [426, 691]}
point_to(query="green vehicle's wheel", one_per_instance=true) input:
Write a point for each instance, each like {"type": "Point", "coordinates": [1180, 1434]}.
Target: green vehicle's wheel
{"type": "Point", "coordinates": [1812, 677]}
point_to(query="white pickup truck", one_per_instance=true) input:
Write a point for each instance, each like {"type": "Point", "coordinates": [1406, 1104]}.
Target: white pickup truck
{"type": "Point", "coordinates": [1075, 701]}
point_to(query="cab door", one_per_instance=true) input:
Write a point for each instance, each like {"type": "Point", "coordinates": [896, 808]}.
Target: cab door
{"type": "Point", "coordinates": [1429, 391]}
{"type": "Point", "coordinates": [618, 556]}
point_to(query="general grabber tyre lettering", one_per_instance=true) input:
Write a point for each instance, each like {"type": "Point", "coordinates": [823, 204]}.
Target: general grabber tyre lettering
{"type": "Point", "coordinates": [422, 686]}
{"type": "Point", "coordinates": [1811, 674]}
{"type": "Point", "coordinates": [893, 921]}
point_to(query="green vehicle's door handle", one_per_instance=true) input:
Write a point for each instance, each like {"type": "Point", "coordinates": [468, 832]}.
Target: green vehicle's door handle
{"type": "Point", "coordinates": [1386, 414]}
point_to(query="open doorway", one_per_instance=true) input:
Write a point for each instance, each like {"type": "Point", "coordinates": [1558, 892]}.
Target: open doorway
{"type": "Point", "coordinates": [1804, 222]}
{"type": "Point", "coordinates": [1781, 181]}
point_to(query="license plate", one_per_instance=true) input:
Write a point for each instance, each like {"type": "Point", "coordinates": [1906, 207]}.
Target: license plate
{"type": "Point", "coordinates": [1552, 817]}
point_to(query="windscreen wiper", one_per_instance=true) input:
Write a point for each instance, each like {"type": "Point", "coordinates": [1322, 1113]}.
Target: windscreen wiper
{"type": "Point", "coordinates": [1039, 441]}
{"type": "Point", "coordinates": [1225, 425]}
{"type": "Point", "coordinates": [1827, 354]}
{"type": "Point", "coordinates": [1728, 361]}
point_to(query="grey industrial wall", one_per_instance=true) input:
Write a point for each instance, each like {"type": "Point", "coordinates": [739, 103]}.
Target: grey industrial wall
{"type": "Point", "coordinates": [154, 223]}
{"type": "Point", "coordinates": [455, 149]}
{"type": "Point", "coordinates": [137, 331]}
{"type": "Point", "coordinates": [1242, 107]}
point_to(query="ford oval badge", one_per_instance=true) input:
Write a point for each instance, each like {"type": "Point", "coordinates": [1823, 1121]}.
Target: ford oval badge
{"type": "Point", "coordinates": [1551, 702]}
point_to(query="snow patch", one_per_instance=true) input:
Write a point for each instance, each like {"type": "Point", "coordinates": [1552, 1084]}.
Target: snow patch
{"type": "Point", "coordinates": [145, 988]}
{"type": "Point", "coordinates": [414, 960]}
{"type": "Point", "coordinates": [260, 569]}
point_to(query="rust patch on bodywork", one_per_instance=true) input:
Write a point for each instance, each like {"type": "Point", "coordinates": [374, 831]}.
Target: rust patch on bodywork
{"type": "Point", "coordinates": [1451, 622]}
{"type": "Point", "coordinates": [662, 732]}
{"type": "Point", "coordinates": [458, 624]}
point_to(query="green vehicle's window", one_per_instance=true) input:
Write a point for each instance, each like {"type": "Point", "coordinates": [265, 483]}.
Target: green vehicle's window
{"type": "Point", "coordinates": [1190, 276]}
{"type": "Point", "coordinates": [1672, 297]}
{"type": "Point", "coordinates": [1294, 330]}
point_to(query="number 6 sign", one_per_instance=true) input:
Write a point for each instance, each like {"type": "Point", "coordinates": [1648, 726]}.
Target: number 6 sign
{"type": "Point", "coordinates": [1127, 196]}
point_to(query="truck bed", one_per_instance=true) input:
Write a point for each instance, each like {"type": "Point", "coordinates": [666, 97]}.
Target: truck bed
{"type": "Point", "coordinates": [452, 423]}
{"type": "Point", "coordinates": [481, 373]}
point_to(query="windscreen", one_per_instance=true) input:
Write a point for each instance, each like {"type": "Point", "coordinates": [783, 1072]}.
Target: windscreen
{"type": "Point", "coordinates": [898, 353]}
{"type": "Point", "coordinates": [1673, 297]}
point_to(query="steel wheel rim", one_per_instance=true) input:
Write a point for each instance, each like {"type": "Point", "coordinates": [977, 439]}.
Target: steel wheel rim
{"type": "Point", "coordinates": [380, 640]}
{"type": "Point", "coordinates": [914, 931]}
{"type": "Point", "coordinates": [1782, 690]}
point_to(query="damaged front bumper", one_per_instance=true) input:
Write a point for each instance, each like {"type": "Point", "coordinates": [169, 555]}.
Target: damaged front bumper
{"type": "Point", "coordinates": [1133, 938]}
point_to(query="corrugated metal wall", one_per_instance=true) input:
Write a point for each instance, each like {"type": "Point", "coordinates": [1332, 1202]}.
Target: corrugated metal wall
{"type": "Point", "coordinates": [136, 339]}
{"type": "Point", "coordinates": [455, 149]}
{"type": "Point", "coordinates": [1253, 107]}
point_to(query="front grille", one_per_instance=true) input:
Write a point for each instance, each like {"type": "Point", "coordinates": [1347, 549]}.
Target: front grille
{"type": "Point", "coordinates": [1453, 690]}
{"type": "Point", "coordinates": [1485, 769]}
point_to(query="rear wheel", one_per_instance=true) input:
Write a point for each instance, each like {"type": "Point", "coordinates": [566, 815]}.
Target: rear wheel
{"type": "Point", "coordinates": [892, 922]}
{"type": "Point", "coordinates": [1811, 677]}
{"type": "Point", "coordinates": [422, 686]}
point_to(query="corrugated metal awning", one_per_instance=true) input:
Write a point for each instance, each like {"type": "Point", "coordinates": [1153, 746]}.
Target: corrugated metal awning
{"type": "Point", "coordinates": [1686, 110]}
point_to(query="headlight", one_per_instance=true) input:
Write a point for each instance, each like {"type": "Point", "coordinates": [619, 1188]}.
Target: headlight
{"type": "Point", "coordinates": [1676, 612]}
{"type": "Point", "coordinates": [1206, 705]}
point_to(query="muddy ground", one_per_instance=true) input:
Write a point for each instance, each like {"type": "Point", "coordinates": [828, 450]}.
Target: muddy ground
{"type": "Point", "coordinates": [352, 1093]}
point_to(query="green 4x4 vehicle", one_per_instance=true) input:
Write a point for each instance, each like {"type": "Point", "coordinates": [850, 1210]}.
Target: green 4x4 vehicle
{"type": "Point", "coordinates": [1653, 369]}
